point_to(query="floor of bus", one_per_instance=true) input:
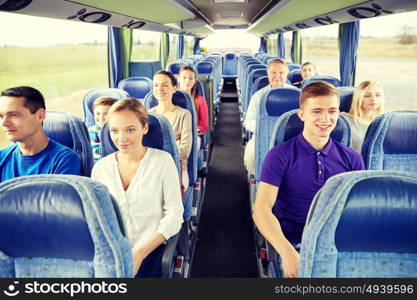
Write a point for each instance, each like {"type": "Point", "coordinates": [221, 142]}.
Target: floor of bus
{"type": "Point", "coordinates": [225, 245]}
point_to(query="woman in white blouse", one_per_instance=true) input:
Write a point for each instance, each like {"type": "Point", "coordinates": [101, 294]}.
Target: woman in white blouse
{"type": "Point", "coordinates": [145, 183]}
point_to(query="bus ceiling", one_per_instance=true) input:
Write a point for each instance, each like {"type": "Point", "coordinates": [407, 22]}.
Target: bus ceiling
{"type": "Point", "coordinates": [200, 18]}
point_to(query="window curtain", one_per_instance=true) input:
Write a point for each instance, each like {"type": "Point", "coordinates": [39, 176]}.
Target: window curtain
{"type": "Point", "coordinates": [348, 48]}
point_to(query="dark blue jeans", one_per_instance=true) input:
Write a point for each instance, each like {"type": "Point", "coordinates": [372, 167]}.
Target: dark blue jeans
{"type": "Point", "coordinates": [151, 265]}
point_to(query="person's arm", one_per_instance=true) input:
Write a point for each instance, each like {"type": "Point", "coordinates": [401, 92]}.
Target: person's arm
{"type": "Point", "coordinates": [186, 140]}
{"type": "Point", "coordinates": [202, 115]}
{"type": "Point", "coordinates": [270, 228]}
{"type": "Point", "coordinates": [250, 118]}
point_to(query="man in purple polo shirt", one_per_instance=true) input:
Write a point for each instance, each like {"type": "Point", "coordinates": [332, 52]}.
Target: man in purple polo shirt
{"type": "Point", "coordinates": [295, 170]}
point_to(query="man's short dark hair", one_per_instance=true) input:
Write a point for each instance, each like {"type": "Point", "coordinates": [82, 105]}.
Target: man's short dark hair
{"type": "Point", "coordinates": [317, 89]}
{"type": "Point", "coordinates": [33, 98]}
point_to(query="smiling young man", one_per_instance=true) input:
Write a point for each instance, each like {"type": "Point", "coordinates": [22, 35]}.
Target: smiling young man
{"type": "Point", "coordinates": [22, 112]}
{"type": "Point", "coordinates": [295, 170]}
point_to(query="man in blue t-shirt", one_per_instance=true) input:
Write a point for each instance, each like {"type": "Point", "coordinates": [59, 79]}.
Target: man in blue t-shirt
{"type": "Point", "coordinates": [295, 170]}
{"type": "Point", "coordinates": [22, 112]}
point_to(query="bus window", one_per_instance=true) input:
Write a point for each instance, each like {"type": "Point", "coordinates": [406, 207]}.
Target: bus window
{"type": "Point", "coordinates": [188, 46]}
{"type": "Point", "coordinates": [320, 46]}
{"type": "Point", "coordinates": [389, 56]}
{"type": "Point", "coordinates": [288, 41]}
{"type": "Point", "coordinates": [145, 45]}
{"type": "Point", "coordinates": [62, 59]}
{"type": "Point", "coordinates": [173, 48]}
{"type": "Point", "coordinates": [272, 44]}
{"type": "Point", "coordinates": [236, 40]}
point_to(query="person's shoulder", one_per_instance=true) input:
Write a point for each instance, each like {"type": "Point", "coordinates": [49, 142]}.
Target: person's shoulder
{"type": "Point", "coordinates": [158, 154]}
{"type": "Point", "coordinates": [104, 161]}
{"type": "Point", "coordinates": [284, 148]}
{"type": "Point", "coordinates": [183, 112]}
{"type": "Point", "coordinates": [261, 91]}
{"type": "Point", "coordinates": [8, 149]}
{"type": "Point", "coordinates": [58, 150]}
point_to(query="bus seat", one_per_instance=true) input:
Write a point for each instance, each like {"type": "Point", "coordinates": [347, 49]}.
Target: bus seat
{"type": "Point", "coordinates": [346, 94]}
{"type": "Point", "coordinates": [254, 74]}
{"type": "Point", "coordinates": [329, 79]}
{"type": "Point", "coordinates": [91, 96]}
{"type": "Point", "coordinates": [293, 67]}
{"type": "Point", "coordinates": [61, 226]}
{"type": "Point", "coordinates": [362, 224]}
{"type": "Point", "coordinates": [295, 76]}
{"type": "Point", "coordinates": [175, 67]}
{"type": "Point", "coordinates": [290, 125]}
{"type": "Point", "coordinates": [136, 87]}
{"type": "Point", "coordinates": [71, 132]}
{"type": "Point", "coordinates": [259, 83]}
{"type": "Point", "coordinates": [205, 67]}
{"type": "Point", "coordinates": [230, 65]}
{"type": "Point", "coordinates": [274, 103]}
{"type": "Point", "coordinates": [390, 142]}
{"type": "Point", "coordinates": [144, 68]}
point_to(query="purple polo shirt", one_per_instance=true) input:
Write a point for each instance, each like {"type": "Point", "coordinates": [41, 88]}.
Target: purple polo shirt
{"type": "Point", "coordinates": [300, 171]}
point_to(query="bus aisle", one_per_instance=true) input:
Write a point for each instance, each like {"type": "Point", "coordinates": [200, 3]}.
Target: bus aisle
{"type": "Point", "coordinates": [225, 245]}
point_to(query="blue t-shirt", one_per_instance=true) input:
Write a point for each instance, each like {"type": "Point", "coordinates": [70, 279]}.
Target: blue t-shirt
{"type": "Point", "coordinates": [54, 159]}
{"type": "Point", "coordinates": [300, 171]}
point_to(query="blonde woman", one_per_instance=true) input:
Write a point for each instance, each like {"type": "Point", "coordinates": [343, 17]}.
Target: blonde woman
{"type": "Point", "coordinates": [367, 104]}
{"type": "Point", "coordinates": [145, 183]}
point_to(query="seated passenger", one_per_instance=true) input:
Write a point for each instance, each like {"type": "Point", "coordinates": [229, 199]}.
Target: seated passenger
{"type": "Point", "coordinates": [187, 81]}
{"type": "Point", "coordinates": [22, 112]}
{"type": "Point", "coordinates": [277, 77]}
{"type": "Point", "coordinates": [144, 182]}
{"type": "Point", "coordinates": [164, 87]}
{"type": "Point", "coordinates": [295, 170]}
{"type": "Point", "coordinates": [101, 107]}
{"type": "Point", "coordinates": [367, 104]}
{"type": "Point", "coordinates": [308, 69]}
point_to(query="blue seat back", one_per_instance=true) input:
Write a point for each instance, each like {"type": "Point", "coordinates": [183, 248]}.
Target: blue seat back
{"type": "Point", "coordinates": [346, 95]}
{"type": "Point", "coordinates": [136, 87]}
{"type": "Point", "coordinates": [391, 142]}
{"type": "Point", "coordinates": [290, 125]}
{"type": "Point", "coordinates": [159, 136]}
{"type": "Point", "coordinates": [258, 84]}
{"type": "Point", "coordinates": [295, 76]}
{"type": "Point", "coordinates": [253, 76]}
{"type": "Point", "coordinates": [274, 103]}
{"type": "Point", "coordinates": [61, 226]}
{"type": "Point", "coordinates": [144, 68]}
{"type": "Point", "coordinates": [293, 67]}
{"type": "Point", "coordinates": [71, 132]}
{"type": "Point", "coordinates": [205, 67]}
{"type": "Point", "coordinates": [329, 79]}
{"type": "Point", "coordinates": [362, 224]}
{"type": "Point", "coordinates": [183, 100]}
{"type": "Point", "coordinates": [91, 96]}
{"type": "Point", "coordinates": [230, 64]}
{"type": "Point", "coordinates": [175, 67]}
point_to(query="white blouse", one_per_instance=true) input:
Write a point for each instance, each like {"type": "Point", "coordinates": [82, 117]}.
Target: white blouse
{"type": "Point", "coordinates": [152, 203]}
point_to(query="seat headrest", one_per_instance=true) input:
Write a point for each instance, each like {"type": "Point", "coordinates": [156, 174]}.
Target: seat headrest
{"type": "Point", "coordinates": [401, 136]}
{"type": "Point", "coordinates": [380, 215]}
{"type": "Point", "coordinates": [136, 87]}
{"type": "Point", "coordinates": [281, 100]}
{"type": "Point", "coordinates": [328, 79]}
{"type": "Point", "coordinates": [205, 67]}
{"type": "Point", "coordinates": [44, 219]}
{"type": "Point", "coordinates": [57, 127]}
{"type": "Point", "coordinates": [346, 95]}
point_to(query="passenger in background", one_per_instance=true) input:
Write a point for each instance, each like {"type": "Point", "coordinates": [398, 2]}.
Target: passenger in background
{"type": "Point", "coordinates": [101, 107]}
{"type": "Point", "coordinates": [308, 69]}
{"type": "Point", "coordinates": [164, 87]}
{"type": "Point", "coordinates": [367, 104]}
{"type": "Point", "coordinates": [277, 77]}
{"type": "Point", "coordinates": [295, 170]}
{"type": "Point", "coordinates": [22, 112]}
{"type": "Point", "coordinates": [187, 81]}
{"type": "Point", "coordinates": [145, 183]}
